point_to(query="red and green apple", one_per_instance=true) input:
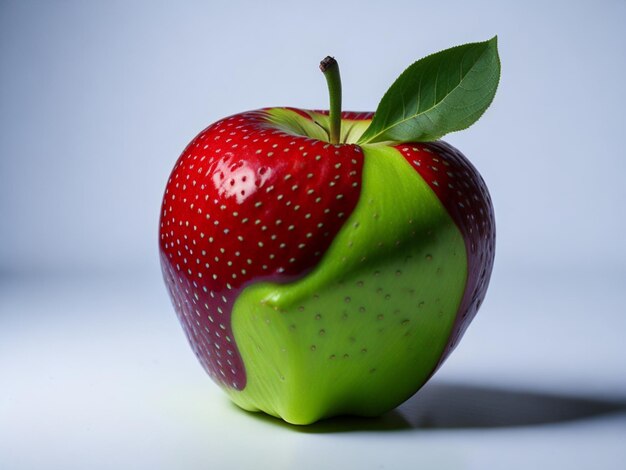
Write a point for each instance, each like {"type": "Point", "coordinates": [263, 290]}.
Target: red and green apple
{"type": "Point", "coordinates": [326, 263]}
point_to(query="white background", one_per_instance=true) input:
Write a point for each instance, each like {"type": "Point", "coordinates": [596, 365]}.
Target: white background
{"type": "Point", "coordinates": [97, 100]}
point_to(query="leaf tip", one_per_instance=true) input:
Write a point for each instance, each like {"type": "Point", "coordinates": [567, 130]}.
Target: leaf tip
{"type": "Point", "coordinates": [493, 42]}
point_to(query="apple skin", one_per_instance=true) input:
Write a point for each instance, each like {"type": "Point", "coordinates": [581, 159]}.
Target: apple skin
{"type": "Point", "coordinates": [370, 284]}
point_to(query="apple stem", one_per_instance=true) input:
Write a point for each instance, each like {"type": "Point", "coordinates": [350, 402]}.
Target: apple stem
{"type": "Point", "coordinates": [330, 69]}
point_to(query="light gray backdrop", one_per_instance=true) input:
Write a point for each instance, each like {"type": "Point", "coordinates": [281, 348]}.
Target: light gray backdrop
{"type": "Point", "coordinates": [98, 99]}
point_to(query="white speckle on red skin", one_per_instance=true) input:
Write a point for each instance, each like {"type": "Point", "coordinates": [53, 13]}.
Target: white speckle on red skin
{"type": "Point", "coordinates": [252, 178]}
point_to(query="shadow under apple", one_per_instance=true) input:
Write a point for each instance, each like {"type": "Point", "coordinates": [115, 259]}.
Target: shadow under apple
{"type": "Point", "coordinates": [440, 405]}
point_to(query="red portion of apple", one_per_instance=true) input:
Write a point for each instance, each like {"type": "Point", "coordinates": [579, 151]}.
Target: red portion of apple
{"type": "Point", "coordinates": [462, 191]}
{"type": "Point", "coordinates": [247, 202]}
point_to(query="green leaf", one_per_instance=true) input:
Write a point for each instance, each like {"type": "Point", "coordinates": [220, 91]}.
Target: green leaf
{"type": "Point", "coordinates": [444, 92]}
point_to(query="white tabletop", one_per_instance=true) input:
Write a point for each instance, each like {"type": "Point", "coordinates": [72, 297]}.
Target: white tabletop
{"type": "Point", "coordinates": [95, 373]}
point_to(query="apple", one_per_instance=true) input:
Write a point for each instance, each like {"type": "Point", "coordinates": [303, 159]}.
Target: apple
{"type": "Point", "coordinates": [326, 263]}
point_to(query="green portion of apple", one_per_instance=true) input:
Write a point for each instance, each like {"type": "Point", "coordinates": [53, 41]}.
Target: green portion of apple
{"type": "Point", "coordinates": [364, 330]}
